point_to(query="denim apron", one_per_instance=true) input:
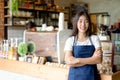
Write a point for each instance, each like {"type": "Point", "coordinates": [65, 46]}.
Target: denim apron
{"type": "Point", "coordinates": [88, 71]}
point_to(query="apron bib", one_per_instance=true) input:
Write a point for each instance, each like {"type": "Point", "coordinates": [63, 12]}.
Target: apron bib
{"type": "Point", "coordinates": [86, 72]}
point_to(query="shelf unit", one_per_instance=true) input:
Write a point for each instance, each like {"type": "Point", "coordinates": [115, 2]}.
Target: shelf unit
{"type": "Point", "coordinates": [116, 39]}
{"type": "Point", "coordinates": [24, 13]}
{"type": "Point", "coordinates": [38, 12]}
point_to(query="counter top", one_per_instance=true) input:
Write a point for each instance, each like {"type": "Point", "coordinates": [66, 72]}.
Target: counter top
{"type": "Point", "coordinates": [30, 70]}
{"type": "Point", "coordinates": [41, 31]}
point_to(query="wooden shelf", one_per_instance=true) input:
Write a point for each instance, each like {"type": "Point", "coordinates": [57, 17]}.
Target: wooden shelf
{"type": "Point", "coordinates": [6, 7]}
{"type": "Point", "coordinates": [117, 53]}
{"type": "Point", "coordinates": [7, 16]}
{"type": "Point", "coordinates": [30, 8]}
{"type": "Point", "coordinates": [23, 16]}
{"type": "Point", "coordinates": [15, 25]}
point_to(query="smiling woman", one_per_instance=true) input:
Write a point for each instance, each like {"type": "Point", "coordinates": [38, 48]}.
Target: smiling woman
{"type": "Point", "coordinates": [83, 49]}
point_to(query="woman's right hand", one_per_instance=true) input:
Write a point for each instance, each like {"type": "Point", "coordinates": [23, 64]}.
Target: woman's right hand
{"type": "Point", "coordinates": [97, 56]}
{"type": "Point", "coordinates": [72, 60]}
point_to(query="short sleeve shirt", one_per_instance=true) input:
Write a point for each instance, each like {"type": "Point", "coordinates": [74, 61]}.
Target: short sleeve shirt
{"type": "Point", "coordinates": [70, 41]}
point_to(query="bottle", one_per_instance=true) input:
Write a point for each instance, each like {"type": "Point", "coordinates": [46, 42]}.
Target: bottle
{"type": "Point", "coordinates": [10, 53]}
{"type": "Point", "coordinates": [15, 54]}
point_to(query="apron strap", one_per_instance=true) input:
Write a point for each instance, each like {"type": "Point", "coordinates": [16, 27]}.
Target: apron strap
{"type": "Point", "coordinates": [75, 40]}
{"type": "Point", "coordinates": [74, 43]}
{"type": "Point", "coordinates": [90, 40]}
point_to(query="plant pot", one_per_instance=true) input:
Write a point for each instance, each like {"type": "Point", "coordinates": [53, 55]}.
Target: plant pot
{"type": "Point", "coordinates": [21, 58]}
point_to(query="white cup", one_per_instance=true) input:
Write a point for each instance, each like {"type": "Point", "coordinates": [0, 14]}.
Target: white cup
{"type": "Point", "coordinates": [43, 27]}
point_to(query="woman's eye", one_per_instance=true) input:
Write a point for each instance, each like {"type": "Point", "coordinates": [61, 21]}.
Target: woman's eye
{"type": "Point", "coordinates": [86, 21]}
{"type": "Point", "coordinates": [80, 21]}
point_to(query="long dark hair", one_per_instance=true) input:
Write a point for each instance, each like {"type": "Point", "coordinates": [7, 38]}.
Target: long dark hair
{"type": "Point", "coordinates": [75, 20]}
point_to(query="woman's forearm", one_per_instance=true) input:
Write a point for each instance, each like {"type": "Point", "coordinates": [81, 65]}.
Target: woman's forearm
{"type": "Point", "coordinates": [75, 65]}
{"type": "Point", "coordinates": [95, 59]}
{"type": "Point", "coordinates": [77, 62]}
{"type": "Point", "coordinates": [89, 60]}
{"type": "Point", "coordinates": [73, 62]}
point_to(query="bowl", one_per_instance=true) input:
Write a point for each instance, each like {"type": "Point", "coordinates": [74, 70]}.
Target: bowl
{"type": "Point", "coordinates": [38, 28]}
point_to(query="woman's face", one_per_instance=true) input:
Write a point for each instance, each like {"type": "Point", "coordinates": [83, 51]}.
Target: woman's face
{"type": "Point", "coordinates": [82, 24]}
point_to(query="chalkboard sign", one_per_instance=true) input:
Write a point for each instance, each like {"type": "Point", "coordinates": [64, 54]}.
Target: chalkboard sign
{"type": "Point", "coordinates": [77, 6]}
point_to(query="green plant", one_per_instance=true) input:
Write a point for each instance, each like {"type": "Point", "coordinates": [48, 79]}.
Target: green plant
{"type": "Point", "coordinates": [22, 49]}
{"type": "Point", "coordinates": [31, 47]}
{"type": "Point", "coordinates": [14, 6]}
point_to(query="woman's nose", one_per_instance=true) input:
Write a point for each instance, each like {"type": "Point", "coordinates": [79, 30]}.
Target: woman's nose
{"type": "Point", "coordinates": [83, 23]}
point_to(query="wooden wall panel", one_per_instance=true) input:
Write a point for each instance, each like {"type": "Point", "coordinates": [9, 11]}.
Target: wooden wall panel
{"type": "Point", "coordinates": [1, 19]}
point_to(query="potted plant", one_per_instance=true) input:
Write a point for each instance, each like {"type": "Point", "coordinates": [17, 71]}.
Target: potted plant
{"type": "Point", "coordinates": [22, 50]}
{"type": "Point", "coordinates": [31, 47]}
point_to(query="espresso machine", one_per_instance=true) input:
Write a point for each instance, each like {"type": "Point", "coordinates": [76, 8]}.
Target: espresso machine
{"type": "Point", "coordinates": [103, 23]}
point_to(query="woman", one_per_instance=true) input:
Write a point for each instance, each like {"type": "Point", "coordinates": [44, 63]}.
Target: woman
{"type": "Point", "coordinates": [83, 49]}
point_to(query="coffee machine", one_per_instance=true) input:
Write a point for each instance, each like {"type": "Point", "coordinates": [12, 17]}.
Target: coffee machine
{"type": "Point", "coordinates": [103, 33]}
{"type": "Point", "coordinates": [103, 23]}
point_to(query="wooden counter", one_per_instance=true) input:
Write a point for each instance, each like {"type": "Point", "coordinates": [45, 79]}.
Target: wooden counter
{"type": "Point", "coordinates": [43, 71]}
{"type": "Point", "coordinates": [35, 70]}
